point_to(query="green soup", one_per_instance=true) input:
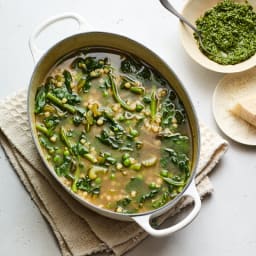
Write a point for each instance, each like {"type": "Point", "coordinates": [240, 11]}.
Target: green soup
{"type": "Point", "coordinates": [114, 131]}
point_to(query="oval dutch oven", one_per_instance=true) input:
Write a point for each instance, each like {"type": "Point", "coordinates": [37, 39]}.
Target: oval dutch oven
{"type": "Point", "coordinates": [45, 61]}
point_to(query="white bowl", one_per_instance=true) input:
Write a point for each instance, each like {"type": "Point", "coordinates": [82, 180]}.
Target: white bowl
{"type": "Point", "coordinates": [194, 9]}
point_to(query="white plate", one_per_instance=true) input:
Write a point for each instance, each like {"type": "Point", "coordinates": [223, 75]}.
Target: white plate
{"type": "Point", "coordinates": [230, 88]}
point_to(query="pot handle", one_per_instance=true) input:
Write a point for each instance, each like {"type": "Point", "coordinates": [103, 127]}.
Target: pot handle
{"type": "Point", "coordinates": [35, 51]}
{"type": "Point", "coordinates": [144, 220]}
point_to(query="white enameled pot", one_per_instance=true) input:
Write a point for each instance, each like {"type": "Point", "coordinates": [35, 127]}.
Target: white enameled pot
{"type": "Point", "coordinates": [46, 60]}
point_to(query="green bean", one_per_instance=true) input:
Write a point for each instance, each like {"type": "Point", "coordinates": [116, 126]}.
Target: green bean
{"type": "Point", "coordinates": [117, 96]}
{"type": "Point", "coordinates": [91, 158]}
{"type": "Point", "coordinates": [89, 119]}
{"type": "Point", "coordinates": [76, 178]}
{"type": "Point", "coordinates": [81, 83]}
{"type": "Point", "coordinates": [137, 90]}
{"type": "Point", "coordinates": [68, 80]}
{"type": "Point", "coordinates": [59, 103]}
{"type": "Point", "coordinates": [173, 182]}
{"type": "Point", "coordinates": [43, 130]}
{"type": "Point", "coordinates": [153, 103]}
{"type": "Point", "coordinates": [64, 137]}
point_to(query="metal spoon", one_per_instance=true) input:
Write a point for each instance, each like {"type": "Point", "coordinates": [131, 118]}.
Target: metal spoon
{"type": "Point", "coordinates": [170, 8]}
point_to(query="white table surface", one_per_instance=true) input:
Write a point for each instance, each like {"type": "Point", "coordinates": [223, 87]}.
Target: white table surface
{"type": "Point", "coordinates": [226, 225]}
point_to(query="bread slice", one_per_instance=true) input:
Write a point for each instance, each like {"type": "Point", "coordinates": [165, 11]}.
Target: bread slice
{"type": "Point", "coordinates": [246, 109]}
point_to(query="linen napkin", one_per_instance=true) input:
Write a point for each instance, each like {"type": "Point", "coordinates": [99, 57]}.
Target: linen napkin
{"type": "Point", "coordinates": [78, 230]}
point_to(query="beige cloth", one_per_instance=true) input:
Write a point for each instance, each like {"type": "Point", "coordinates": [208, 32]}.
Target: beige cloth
{"type": "Point", "coordinates": [78, 230]}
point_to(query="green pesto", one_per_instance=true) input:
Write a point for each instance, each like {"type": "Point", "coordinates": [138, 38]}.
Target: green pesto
{"type": "Point", "coordinates": [229, 32]}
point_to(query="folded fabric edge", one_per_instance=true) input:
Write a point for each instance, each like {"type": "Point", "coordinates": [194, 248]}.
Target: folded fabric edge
{"type": "Point", "coordinates": [31, 192]}
{"type": "Point", "coordinates": [212, 162]}
{"type": "Point", "coordinates": [12, 157]}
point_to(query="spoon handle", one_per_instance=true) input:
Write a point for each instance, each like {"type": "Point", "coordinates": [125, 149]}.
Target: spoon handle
{"type": "Point", "coordinates": [169, 7]}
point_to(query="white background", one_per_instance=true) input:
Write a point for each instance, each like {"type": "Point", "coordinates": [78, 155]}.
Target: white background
{"type": "Point", "coordinates": [226, 225]}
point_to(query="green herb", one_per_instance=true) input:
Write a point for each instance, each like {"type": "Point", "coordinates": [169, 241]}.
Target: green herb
{"type": "Point", "coordinates": [148, 195]}
{"type": "Point", "coordinates": [40, 99]}
{"type": "Point", "coordinates": [79, 63]}
{"type": "Point", "coordinates": [137, 184]}
{"type": "Point", "coordinates": [132, 66]}
{"type": "Point", "coordinates": [123, 202]}
{"type": "Point", "coordinates": [46, 143]}
{"type": "Point", "coordinates": [161, 201]}
{"type": "Point", "coordinates": [115, 141]}
{"type": "Point", "coordinates": [86, 184]}
{"type": "Point", "coordinates": [52, 121]}
{"type": "Point", "coordinates": [77, 120]}
{"type": "Point", "coordinates": [64, 168]}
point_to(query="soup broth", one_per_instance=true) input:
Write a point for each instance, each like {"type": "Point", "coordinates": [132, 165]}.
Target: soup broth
{"type": "Point", "coordinates": [114, 131]}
